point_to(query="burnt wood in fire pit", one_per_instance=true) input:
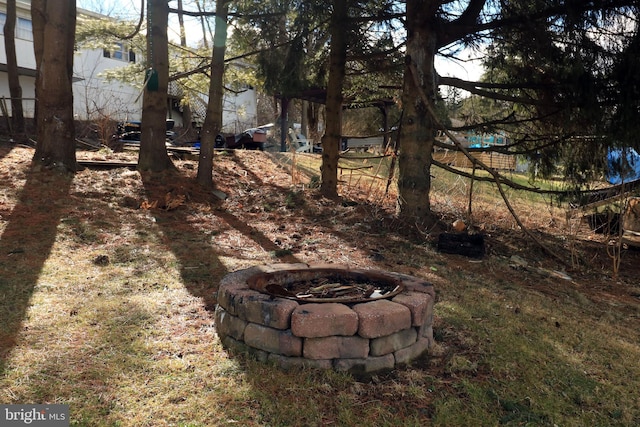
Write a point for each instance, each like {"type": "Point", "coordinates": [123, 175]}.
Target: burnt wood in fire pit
{"type": "Point", "coordinates": [328, 285]}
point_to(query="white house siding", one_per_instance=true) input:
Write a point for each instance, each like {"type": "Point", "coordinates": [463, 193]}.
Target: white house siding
{"type": "Point", "coordinates": [24, 51]}
{"type": "Point", "coordinates": [25, 58]}
{"type": "Point", "coordinates": [239, 111]}
{"type": "Point", "coordinates": [28, 84]}
{"type": "Point", "coordinates": [97, 99]}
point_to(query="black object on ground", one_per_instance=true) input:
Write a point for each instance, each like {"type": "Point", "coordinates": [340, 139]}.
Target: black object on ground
{"type": "Point", "coordinates": [471, 245]}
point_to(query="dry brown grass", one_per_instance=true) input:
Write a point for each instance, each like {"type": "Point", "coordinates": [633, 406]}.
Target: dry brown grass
{"type": "Point", "coordinates": [108, 280]}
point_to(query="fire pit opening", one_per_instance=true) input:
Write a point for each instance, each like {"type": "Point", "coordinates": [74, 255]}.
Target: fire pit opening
{"type": "Point", "coordinates": [326, 316]}
{"type": "Point", "coordinates": [323, 285]}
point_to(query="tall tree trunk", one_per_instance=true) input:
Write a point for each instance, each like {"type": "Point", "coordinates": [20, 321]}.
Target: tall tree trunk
{"type": "Point", "coordinates": [213, 121]}
{"type": "Point", "coordinates": [17, 114]}
{"type": "Point", "coordinates": [417, 130]}
{"type": "Point", "coordinates": [284, 122]}
{"type": "Point", "coordinates": [183, 34]}
{"type": "Point", "coordinates": [37, 23]}
{"type": "Point", "coordinates": [304, 119]}
{"type": "Point", "coordinates": [205, 42]}
{"type": "Point", "coordinates": [313, 113]}
{"type": "Point", "coordinates": [153, 152]}
{"type": "Point", "coordinates": [187, 117]}
{"type": "Point", "coordinates": [333, 127]}
{"type": "Point", "coordinates": [54, 25]}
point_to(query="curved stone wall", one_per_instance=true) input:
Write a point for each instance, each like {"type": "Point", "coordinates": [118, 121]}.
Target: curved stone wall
{"type": "Point", "coordinates": [361, 338]}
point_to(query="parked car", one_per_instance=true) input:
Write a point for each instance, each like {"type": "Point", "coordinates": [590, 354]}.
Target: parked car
{"type": "Point", "coordinates": [129, 132]}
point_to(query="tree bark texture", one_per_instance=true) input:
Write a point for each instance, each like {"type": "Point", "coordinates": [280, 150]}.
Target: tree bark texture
{"type": "Point", "coordinates": [417, 131]}
{"type": "Point", "coordinates": [333, 107]}
{"type": "Point", "coordinates": [213, 120]}
{"type": "Point", "coordinates": [153, 152]}
{"type": "Point", "coordinates": [17, 114]}
{"type": "Point", "coordinates": [54, 37]}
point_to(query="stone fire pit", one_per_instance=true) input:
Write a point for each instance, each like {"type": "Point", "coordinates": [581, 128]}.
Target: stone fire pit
{"type": "Point", "coordinates": [325, 316]}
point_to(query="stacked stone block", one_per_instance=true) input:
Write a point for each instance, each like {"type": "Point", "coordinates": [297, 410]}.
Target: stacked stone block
{"type": "Point", "coordinates": [361, 338]}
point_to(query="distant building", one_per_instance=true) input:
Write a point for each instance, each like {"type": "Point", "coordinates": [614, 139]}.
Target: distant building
{"type": "Point", "coordinates": [95, 98]}
{"type": "Point", "coordinates": [25, 56]}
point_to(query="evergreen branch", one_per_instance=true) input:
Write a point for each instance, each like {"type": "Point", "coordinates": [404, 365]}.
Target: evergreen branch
{"type": "Point", "coordinates": [474, 88]}
{"type": "Point", "coordinates": [204, 13]}
{"type": "Point", "coordinates": [450, 31]}
{"type": "Point", "coordinates": [205, 67]}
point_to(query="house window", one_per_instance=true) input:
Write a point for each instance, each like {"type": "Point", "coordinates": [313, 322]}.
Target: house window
{"type": "Point", "coordinates": [24, 29]}
{"type": "Point", "coordinates": [120, 52]}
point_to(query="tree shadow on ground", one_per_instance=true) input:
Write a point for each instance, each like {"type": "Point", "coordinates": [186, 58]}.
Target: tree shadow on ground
{"type": "Point", "coordinates": [25, 245]}
{"type": "Point", "coordinates": [200, 266]}
{"type": "Point", "coordinates": [5, 149]}
{"type": "Point", "coordinates": [342, 219]}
